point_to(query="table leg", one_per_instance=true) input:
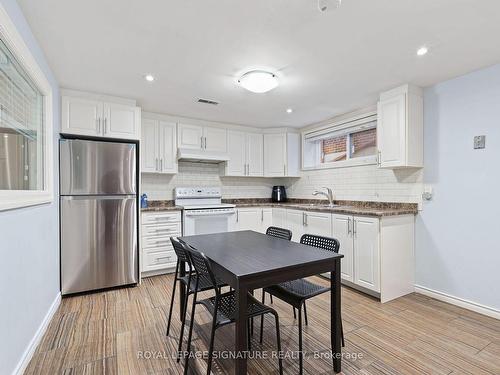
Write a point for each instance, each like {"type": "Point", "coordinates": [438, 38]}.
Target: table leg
{"type": "Point", "coordinates": [241, 331]}
{"type": "Point", "coordinates": [182, 289]}
{"type": "Point", "coordinates": [335, 317]}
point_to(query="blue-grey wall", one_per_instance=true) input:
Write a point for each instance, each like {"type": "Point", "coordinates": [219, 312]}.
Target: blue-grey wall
{"type": "Point", "coordinates": [29, 246]}
{"type": "Point", "coordinates": [458, 232]}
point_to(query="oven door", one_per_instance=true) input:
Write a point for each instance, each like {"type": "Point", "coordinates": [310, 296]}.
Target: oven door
{"type": "Point", "coordinates": [208, 221]}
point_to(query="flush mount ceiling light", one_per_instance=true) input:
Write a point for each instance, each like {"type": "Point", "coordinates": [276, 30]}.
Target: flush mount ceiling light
{"type": "Point", "coordinates": [422, 51]}
{"type": "Point", "coordinates": [258, 81]}
{"type": "Point", "coordinates": [149, 77]}
{"type": "Point", "coordinates": [289, 110]}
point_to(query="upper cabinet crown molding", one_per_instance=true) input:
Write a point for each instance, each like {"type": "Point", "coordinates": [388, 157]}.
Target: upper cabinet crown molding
{"type": "Point", "coordinates": [400, 128]}
{"type": "Point", "coordinates": [99, 116]}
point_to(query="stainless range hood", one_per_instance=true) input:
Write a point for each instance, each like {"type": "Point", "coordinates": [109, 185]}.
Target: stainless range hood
{"type": "Point", "coordinates": [202, 156]}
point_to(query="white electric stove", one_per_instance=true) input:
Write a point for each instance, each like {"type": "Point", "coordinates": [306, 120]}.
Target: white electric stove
{"type": "Point", "coordinates": [203, 211]}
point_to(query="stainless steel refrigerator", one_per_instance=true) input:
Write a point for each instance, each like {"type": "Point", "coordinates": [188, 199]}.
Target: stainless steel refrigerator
{"type": "Point", "coordinates": [98, 188]}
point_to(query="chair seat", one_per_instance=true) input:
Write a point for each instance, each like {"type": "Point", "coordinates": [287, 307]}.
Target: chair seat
{"type": "Point", "coordinates": [203, 285]}
{"type": "Point", "coordinates": [226, 313]}
{"type": "Point", "coordinates": [296, 291]}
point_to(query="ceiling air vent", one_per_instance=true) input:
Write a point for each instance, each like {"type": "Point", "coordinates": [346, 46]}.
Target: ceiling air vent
{"type": "Point", "coordinates": [206, 101]}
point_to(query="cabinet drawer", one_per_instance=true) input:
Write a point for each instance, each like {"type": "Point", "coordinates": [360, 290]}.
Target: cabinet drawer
{"type": "Point", "coordinates": [155, 242]}
{"type": "Point", "coordinates": [161, 230]}
{"type": "Point", "coordinates": [159, 260]}
{"type": "Point", "coordinates": [161, 217]}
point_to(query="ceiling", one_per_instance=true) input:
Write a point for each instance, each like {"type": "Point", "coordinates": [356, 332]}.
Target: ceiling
{"type": "Point", "coordinates": [327, 63]}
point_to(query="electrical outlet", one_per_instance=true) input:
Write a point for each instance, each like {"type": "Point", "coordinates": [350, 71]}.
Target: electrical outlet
{"type": "Point", "coordinates": [479, 142]}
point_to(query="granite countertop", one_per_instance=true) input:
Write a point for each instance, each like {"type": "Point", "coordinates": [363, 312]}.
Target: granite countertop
{"type": "Point", "coordinates": [167, 205]}
{"type": "Point", "coordinates": [378, 209]}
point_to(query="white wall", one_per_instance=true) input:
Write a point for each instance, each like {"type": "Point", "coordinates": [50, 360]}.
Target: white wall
{"type": "Point", "coordinates": [458, 237]}
{"type": "Point", "coordinates": [29, 247]}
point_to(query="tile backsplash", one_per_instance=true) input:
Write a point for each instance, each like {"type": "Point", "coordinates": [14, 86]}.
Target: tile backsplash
{"type": "Point", "coordinates": [366, 183]}
{"type": "Point", "coordinates": [203, 174]}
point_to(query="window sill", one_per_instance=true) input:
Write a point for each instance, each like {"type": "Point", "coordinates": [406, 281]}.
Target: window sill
{"type": "Point", "coordinates": [368, 160]}
{"type": "Point", "coordinates": [10, 200]}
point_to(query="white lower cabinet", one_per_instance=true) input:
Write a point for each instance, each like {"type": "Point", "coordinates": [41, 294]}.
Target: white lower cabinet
{"type": "Point", "coordinates": [301, 222]}
{"type": "Point", "coordinates": [157, 253]}
{"type": "Point", "coordinates": [257, 219]}
{"type": "Point", "coordinates": [342, 232]}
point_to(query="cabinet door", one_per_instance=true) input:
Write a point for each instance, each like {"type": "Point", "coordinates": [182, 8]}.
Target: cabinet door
{"type": "Point", "coordinates": [235, 166]}
{"type": "Point", "coordinates": [255, 154]}
{"type": "Point", "coordinates": [318, 223]}
{"type": "Point", "coordinates": [366, 253]}
{"type": "Point", "coordinates": [279, 218]}
{"type": "Point", "coordinates": [168, 147]}
{"type": "Point", "coordinates": [189, 136]}
{"type": "Point", "coordinates": [295, 223]}
{"type": "Point", "coordinates": [391, 131]}
{"type": "Point", "coordinates": [342, 231]}
{"type": "Point", "coordinates": [81, 116]}
{"type": "Point", "coordinates": [149, 146]}
{"type": "Point", "coordinates": [121, 121]}
{"type": "Point", "coordinates": [274, 155]}
{"type": "Point", "coordinates": [215, 139]}
{"type": "Point", "coordinates": [266, 219]}
{"type": "Point", "coordinates": [248, 219]}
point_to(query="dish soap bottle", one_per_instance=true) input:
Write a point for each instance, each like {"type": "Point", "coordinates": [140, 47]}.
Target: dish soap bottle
{"type": "Point", "coordinates": [144, 201]}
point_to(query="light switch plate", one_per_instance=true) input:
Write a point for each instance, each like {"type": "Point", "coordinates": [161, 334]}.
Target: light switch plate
{"type": "Point", "coordinates": [479, 142]}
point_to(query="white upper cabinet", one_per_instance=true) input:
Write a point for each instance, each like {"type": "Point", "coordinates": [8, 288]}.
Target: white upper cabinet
{"type": "Point", "coordinates": [246, 154]}
{"type": "Point", "coordinates": [190, 136]}
{"type": "Point", "coordinates": [91, 115]}
{"type": "Point", "coordinates": [121, 121]}
{"type": "Point", "coordinates": [212, 139]}
{"type": "Point", "coordinates": [149, 147]}
{"type": "Point", "coordinates": [81, 116]}
{"type": "Point", "coordinates": [215, 139]}
{"type": "Point", "coordinates": [158, 147]}
{"type": "Point", "coordinates": [400, 128]}
{"type": "Point", "coordinates": [281, 155]}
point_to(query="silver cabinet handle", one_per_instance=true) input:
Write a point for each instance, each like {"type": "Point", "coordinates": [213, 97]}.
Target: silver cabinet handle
{"type": "Point", "coordinates": [98, 124]}
{"type": "Point", "coordinates": [305, 217]}
{"type": "Point", "coordinates": [348, 226]}
{"type": "Point", "coordinates": [161, 164]}
{"type": "Point", "coordinates": [354, 227]}
{"type": "Point", "coordinates": [162, 241]}
{"type": "Point", "coordinates": [237, 215]}
{"type": "Point", "coordinates": [201, 142]}
{"type": "Point", "coordinates": [247, 167]}
{"type": "Point", "coordinates": [105, 125]}
{"type": "Point", "coordinates": [205, 143]}
{"type": "Point", "coordinates": [262, 215]}
{"type": "Point", "coordinates": [159, 259]}
{"type": "Point", "coordinates": [156, 164]}
{"type": "Point", "coordinates": [379, 158]}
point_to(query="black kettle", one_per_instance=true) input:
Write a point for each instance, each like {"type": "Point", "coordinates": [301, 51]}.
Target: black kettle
{"type": "Point", "coordinates": [278, 194]}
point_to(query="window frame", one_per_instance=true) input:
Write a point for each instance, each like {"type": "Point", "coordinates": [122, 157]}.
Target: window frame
{"type": "Point", "coordinates": [11, 199]}
{"type": "Point", "coordinates": [338, 125]}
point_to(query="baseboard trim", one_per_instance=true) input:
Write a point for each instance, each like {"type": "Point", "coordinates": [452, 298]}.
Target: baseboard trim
{"type": "Point", "coordinates": [30, 350]}
{"type": "Point", "coordinates": [460, 302]}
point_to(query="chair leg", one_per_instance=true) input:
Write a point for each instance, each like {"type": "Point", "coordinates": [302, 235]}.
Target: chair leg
{"type": "Point", "coordinates": [271, 299]}
{"type": "Point", "coordinates": [342, 333]}
{"type": "Point", "coordinates": [305, 313]}
{"type": "Point", "coordinates": [181, 333]}
{"type": "Point", "coordinates": [262, 317]}
{"type": "Point", "coordinates": [249, 338]}
{"type": "Point", "coordinates": [211, 347]}
{"type": "Point", "coordinates": [278, 342]}
{"type": "Point", "coordinates": [172, 303]}
{"type": "Point", "coordinates": [294, 313]}
{"type": "Point", "coordinates": [301, 364]}
{"type": "Point", "coordinates": [190, 335]}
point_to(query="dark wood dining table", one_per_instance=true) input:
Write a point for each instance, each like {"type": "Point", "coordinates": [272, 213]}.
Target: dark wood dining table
{"type": "Point", "coordinates": [248, 260]}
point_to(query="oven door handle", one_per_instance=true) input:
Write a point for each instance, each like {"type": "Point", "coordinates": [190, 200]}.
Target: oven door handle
{"type": "Point", "coordinates": [210, 213]}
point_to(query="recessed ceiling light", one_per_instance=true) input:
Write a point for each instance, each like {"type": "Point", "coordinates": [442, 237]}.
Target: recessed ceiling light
{"type": "Point", "coordinates": [258, 81]}
{"type": "Point", "coordinates": [149, 77]}
{"type": "Point", "coordinates": [422, 51]}
{"type": "Point", "coordinates": [289, 110]}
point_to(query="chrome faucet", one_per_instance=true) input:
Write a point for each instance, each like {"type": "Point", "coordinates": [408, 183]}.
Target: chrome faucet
{"type": "Point", "coordinates": [328, 194]}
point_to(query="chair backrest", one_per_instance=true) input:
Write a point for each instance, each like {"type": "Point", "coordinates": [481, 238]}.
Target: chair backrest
{"type": "Point", "coordinates": [279, 233]}
{"type": "Point", "coordinates": [201, 264]}
{"type": "Point", "coordinates": [179, 250]}
{"type": "Point", "coordinates": [325, 243]}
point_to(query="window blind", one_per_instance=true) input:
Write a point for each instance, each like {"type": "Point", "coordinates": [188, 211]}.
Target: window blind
{"type": "Point", "coordinates": [341, 129]}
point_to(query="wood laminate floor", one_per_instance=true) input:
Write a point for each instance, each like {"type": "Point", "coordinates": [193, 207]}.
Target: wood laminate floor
{"type": "Point", "coordinates": [123, 332]}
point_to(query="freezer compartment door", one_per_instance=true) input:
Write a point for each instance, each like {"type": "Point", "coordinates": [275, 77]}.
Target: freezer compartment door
{"type": "Point", "coordinates": [94, 167]}
{"type": "Point", "coordinates": [98, 242]}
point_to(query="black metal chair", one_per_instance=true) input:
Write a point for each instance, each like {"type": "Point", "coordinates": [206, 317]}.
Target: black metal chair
{"type": "Point", "coordinates": [222, 307]}
{"type": "Point", "coordinates": [279, 233]}
{"type": "Point", "coordinates": [296, 292]}
{"type": "Point", "coordinates": [190, 284]}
